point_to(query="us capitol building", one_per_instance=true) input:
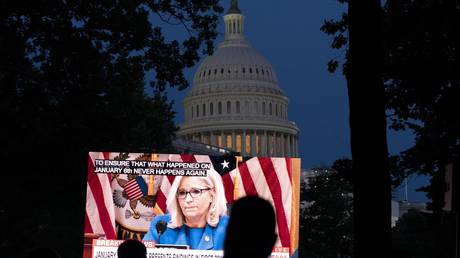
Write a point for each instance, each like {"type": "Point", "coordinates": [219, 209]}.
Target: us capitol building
{"type": "Point", "coordinates": [236, 103]}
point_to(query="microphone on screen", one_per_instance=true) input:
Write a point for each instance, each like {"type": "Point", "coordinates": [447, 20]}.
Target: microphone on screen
{"type": "Point", "coordinates": [161, 228]}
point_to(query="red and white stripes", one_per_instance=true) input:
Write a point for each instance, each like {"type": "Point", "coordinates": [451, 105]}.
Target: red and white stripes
{"type": "Point", "coordinates": [100, 210]}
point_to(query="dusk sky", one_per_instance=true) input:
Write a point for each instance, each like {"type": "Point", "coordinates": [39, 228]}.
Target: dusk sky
{"type": "Point", "coordinates": [288, 34]}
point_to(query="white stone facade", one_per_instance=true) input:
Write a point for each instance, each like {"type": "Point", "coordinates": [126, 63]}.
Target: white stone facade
{"type": "Point", "coordinates": [235, 101]}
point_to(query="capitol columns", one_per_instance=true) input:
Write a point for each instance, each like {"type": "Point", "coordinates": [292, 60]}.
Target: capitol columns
{"type": "Point", "coordinates": [282, 143]}
{"type": "Point", "coordinates": [297, 146]}
{"type": "Point", "coordinates": [233, 140]}
{"type": "Point", "coordinates": [243, 143]}
{"type": "Point", "coordinates": [223, 140]}
{"type": "Point", "coordinates": [288, 145]}
{"type": "Point", "coordinates": [264, 144]}
{"type": "Point", "coordinates": [294, 149]}
{"type": "Point", "coordinates": [276, 141]}
{"type": "Point", "coordinates": [213, 138]}
{"type": "Point", "coordinates": [253, 143]}
{"type": "Point", "coordinates": [267, 145]}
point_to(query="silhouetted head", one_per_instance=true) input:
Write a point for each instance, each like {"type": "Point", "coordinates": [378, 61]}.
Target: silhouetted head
{"type": "Point", "coordinates": [132, 248]}
{"type": "Point", "coordinates": [251, 229]}
{"type": "Point", "coordinates": [43, 252]}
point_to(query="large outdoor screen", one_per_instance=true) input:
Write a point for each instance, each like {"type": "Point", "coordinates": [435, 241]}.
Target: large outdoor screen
{"type": "Point", "coordinates": [149, 197]}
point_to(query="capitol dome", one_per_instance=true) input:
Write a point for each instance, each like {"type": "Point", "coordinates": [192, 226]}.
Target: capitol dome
{"type": "Point", "coordinates": [235, 101]}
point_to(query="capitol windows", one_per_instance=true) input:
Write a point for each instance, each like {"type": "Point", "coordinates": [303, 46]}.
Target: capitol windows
{"type": "Point", "coordinates": [206, 139]}
{"type": "Point", "coordinates": [278, 144]}
{"type": "Point", "coordinates": [250, 70]}
{"type": "Point", "coordinates": [229, 107]}
{"type": "Point", "coordinates": [258, 145]}
{"type": "Point", "coordinates": [219, 140]}
{"type": "Point", "coordinates": [248, 143]}
{"type": "Point", "coordinates": [257, 70]}
{"type": "Point", "coordinates": [219, 108]}
{"type": "Point", "coordinates": [271, 144]}
{"type": "Point", "coordinates": [204, 110]}
{"type": "Point", "coordinates": [237, 107]}
{"type": "Point", "coordinates": [244, 70]}
{"type": "Point", "coordinates": [222, 71]}
{"type": "Point", "coordinates": [246, 107]}
{"type": "Point", "coordinates": [229, 141]}
{"type": "Point", "coordinates": [263, 108]}
{"type": "Point", "coordinates": [276, 109]}
{"type": "Point", "coordinates": [197, 111]}
{"type": "Point", "coordinates": [256, 107]}
{"type": "Point", "coordinates": [211, 108]}
{"type": "Point", "coordinates": [215, 71]}
{"type": "Point", "coordinates": [238, 143]}
{"type": "Point", "coordinates": [270, 109]}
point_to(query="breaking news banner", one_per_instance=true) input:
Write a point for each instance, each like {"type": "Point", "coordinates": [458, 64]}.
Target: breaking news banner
{"type": "Point", "coordinates": [142, 196]}
{"type": "Point", "coordinates": [108, 249]}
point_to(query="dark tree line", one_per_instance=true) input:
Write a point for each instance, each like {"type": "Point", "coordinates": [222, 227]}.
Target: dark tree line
{"type": "Point", "coordinates": [73, 79]}
{"type": "Point", "coordinates": [326, 220]}
{"type": "Point", "coordinates": [371, 180]}
{"type": "Point", "coordinates": [416, 47]}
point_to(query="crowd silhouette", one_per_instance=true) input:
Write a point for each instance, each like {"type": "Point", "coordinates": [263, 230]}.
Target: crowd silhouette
{"type": "Point", "coordinates": [251, 229]}
{"type": "Point", "coordinates": [132, 248]}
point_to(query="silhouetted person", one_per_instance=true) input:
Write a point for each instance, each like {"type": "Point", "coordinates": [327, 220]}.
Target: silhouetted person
{"type": "Point", "coordinates": [251, 229]}
{"type": "Point", "coordinates": [43, 252]}
{"type": "Point", "coordinates": [132, 248]}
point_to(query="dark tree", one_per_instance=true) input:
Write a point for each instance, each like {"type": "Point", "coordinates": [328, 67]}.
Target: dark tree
{"type": "Point", "coordinates": [73, 78]}
{"type": "Point", "coordinates": [421, 57]}
{"type": "Point", "coordinates": [326, 215]}
{"type": "Point", "coordinates": [415, 235]}
{"type": "Point", "coordinates": [371, 178]}
{"type": "Point", "coordinates": [422, 88]}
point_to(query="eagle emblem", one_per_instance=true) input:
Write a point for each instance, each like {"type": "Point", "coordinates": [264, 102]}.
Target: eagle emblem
{"type": "Point", "coordinates": [133, 189]}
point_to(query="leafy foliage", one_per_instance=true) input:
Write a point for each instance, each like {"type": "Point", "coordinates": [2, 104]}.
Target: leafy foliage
{"type": "Point", "coordinates": [415, 235]}
{"type": "Point", "coordinates": [422, 55]}
{"type": "Point", "coordinates": [327, 212]}
{"type": "Point", "coordinates": [73, 78]}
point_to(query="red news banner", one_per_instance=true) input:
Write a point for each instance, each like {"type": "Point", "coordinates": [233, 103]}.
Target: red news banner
{"type": "Point", "coordinates": [103, 248]}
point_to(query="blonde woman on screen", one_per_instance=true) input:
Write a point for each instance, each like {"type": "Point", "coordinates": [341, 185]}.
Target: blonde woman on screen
{"type": "Point", "coordinates": [197, 214]}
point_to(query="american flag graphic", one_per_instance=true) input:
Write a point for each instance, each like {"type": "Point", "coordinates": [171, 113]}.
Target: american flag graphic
{"type": "Point", "coordinates": [136, 188]}
{"type": "Point", "coordinates": [100, 208]}
{"type": "Point", "coordinates": [274, 179]}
